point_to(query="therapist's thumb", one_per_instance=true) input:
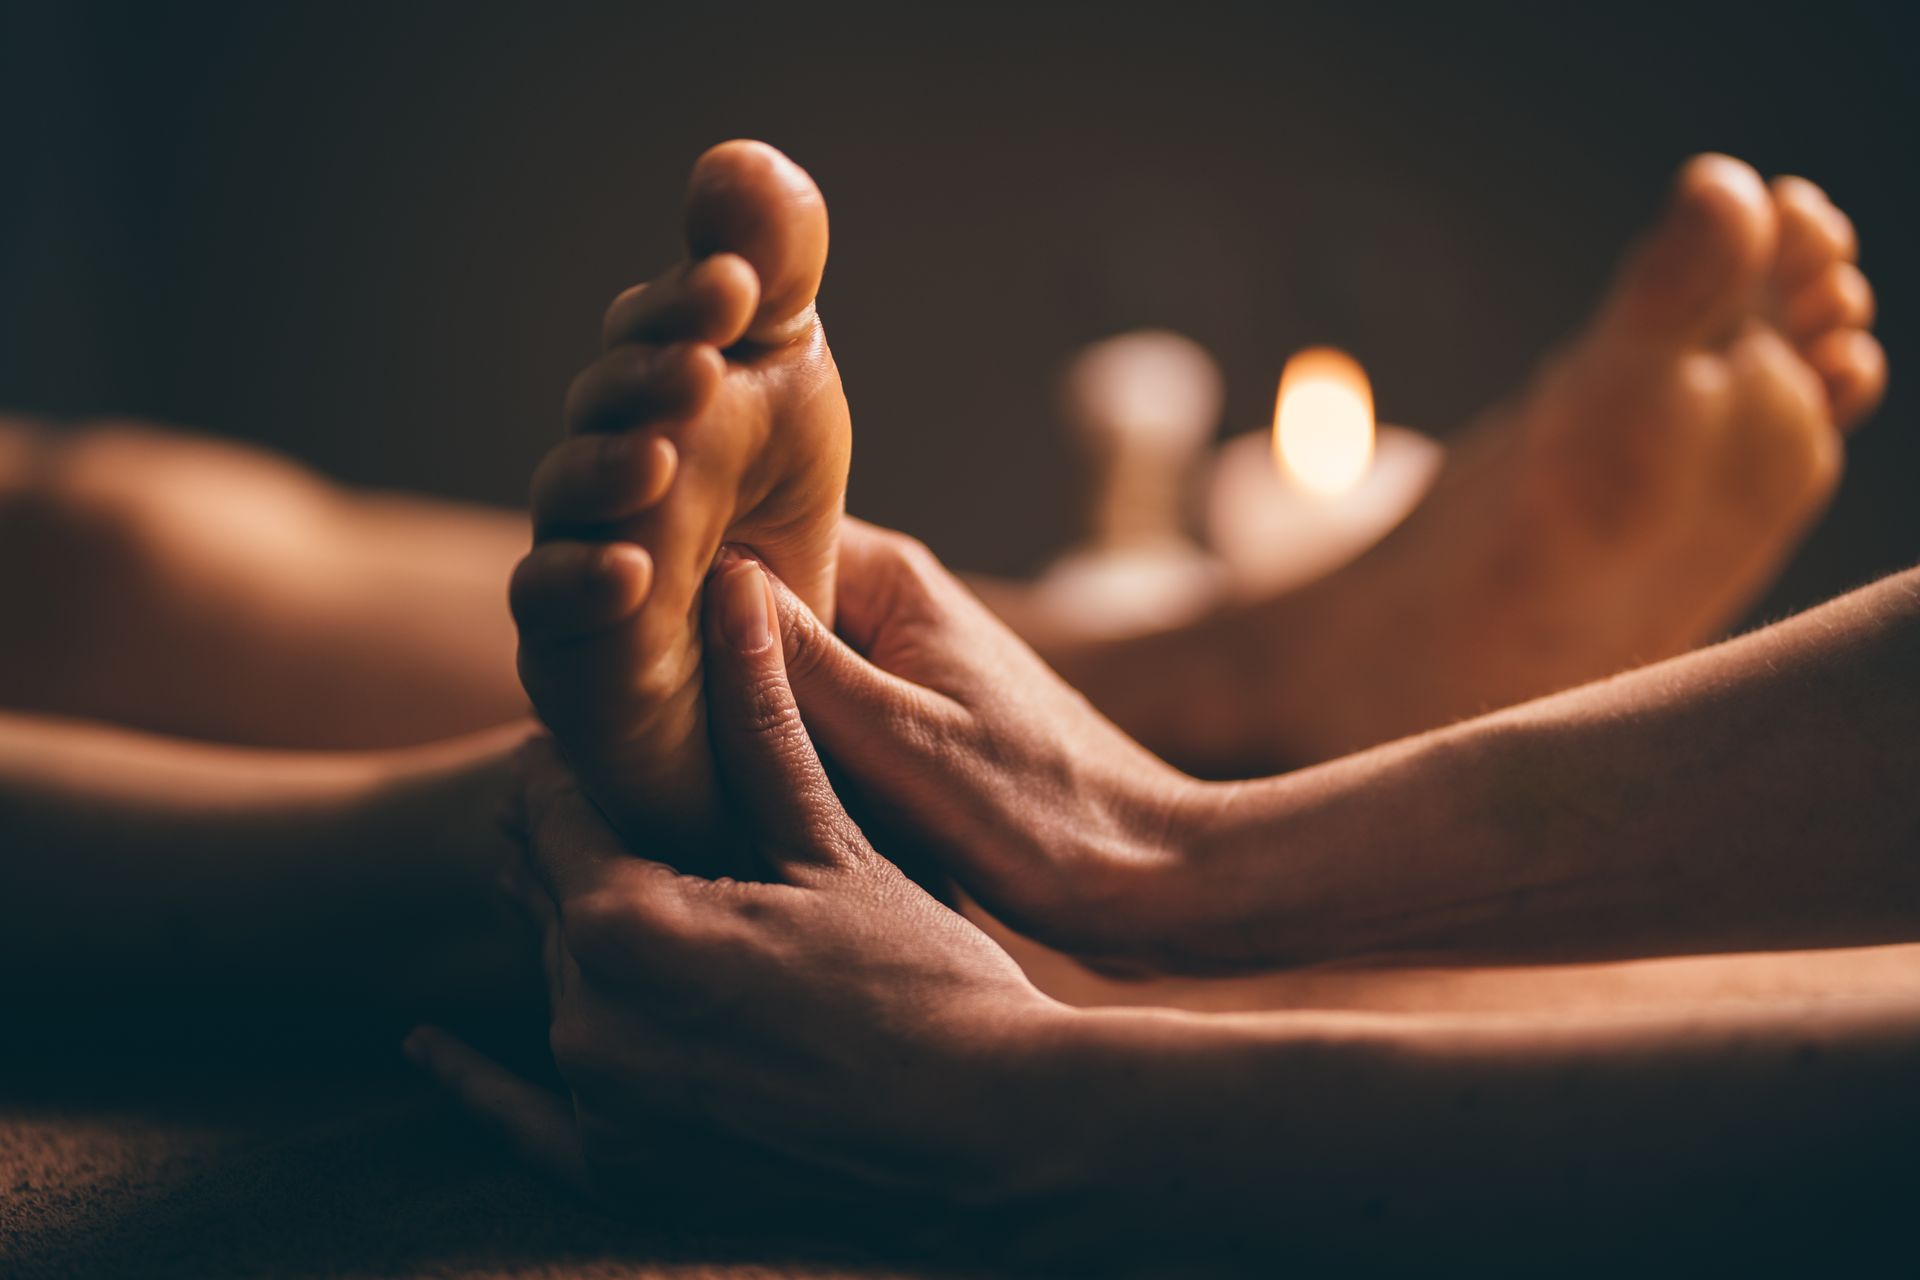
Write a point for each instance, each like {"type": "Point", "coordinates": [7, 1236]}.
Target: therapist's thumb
{"type": "Point", "coordinates": [855, 710]}
{"type": "Point", "coordinates": [772, 773]}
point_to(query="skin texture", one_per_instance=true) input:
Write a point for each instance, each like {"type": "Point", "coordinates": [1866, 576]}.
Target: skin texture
{"type": "Point", "coordinates": [715, 412]}
{"type": "Point", "coordinates": [156, 615]}
{"type": "Point", "coordinates": [1666, 811]}
{"type": "Point", "coordinates": [1624, 507]}
{"type": "Point", "coordinates": [146, 871]}
{"type": "Point", "coordinates": [872, 1041]}
{"type": "Point", "coordinates": [244, 567]}
{"type": "Point", "coordinates": [831, 888]}
{"type": "Point", "coordinates": [862, 963]}
{"type": "Point", "coordinates": [196, 588]}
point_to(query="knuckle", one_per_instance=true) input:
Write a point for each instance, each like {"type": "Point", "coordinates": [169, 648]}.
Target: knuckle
{"type": "Point", "coordinates": [606, 929]}
{"type": "Point", "coordinates": [728, 918]}
{"type": "Point", "coordinates": [808, 649]}
{"type": "Point", "coordinates": [773, 714]}
{"type": "Point", "coordinates": [912, 555]}
{"type": "Point", "coordinates": [750, 911]}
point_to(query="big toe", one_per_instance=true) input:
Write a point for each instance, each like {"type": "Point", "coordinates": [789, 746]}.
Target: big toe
{"type": "Point", "coordinates": [748, 198]}
{"type": "Point", "coordinates": [1698, 273]}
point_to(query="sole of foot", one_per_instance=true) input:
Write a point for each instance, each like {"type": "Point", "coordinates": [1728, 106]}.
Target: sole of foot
{"type": "Point", "coordinates": [713, 415]}
{"type": "Point", "coordinates": [1626, 506]}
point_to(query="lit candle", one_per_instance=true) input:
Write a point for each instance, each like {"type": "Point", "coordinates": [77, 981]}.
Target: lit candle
{"type": "Point", "coordinates": [1288, 504]}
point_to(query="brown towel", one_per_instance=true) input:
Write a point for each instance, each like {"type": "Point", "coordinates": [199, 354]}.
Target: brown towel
{"type": "Point", "coordinates": [121, 1165]}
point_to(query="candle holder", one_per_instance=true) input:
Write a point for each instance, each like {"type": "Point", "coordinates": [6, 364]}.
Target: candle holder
{"type": "Point", "coordinates": [1142, 407]}
{"type": "Point", "coordinates": [1292, 503]}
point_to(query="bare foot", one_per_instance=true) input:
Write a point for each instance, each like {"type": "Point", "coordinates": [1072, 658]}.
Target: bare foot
{"type": "Point", "coordinates": [1627, 506]}
{"type": "Point", "coordinates": [714, 414]}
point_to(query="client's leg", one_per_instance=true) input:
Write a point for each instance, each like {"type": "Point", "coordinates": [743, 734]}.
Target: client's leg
{"type": "Point", "coordinates": [714, 415]}
{"type": "Point", "coordinates": [195, 587]}
{"type": "Point", "coordinates": [1623, 508]}
{"type": "Point", "coordinates": [136, 868]}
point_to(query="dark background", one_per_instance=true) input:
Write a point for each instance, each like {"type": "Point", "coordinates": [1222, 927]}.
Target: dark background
{"type": "Point", "coordinates": [379, 237]}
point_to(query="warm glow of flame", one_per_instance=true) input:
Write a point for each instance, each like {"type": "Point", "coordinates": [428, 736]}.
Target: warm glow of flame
{"type": "Point", "coordinates": [1323, 421]}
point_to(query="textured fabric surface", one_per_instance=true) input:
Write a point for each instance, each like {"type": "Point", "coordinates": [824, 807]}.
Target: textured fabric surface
{"type": "Point", "coordinates": [121, 1166]}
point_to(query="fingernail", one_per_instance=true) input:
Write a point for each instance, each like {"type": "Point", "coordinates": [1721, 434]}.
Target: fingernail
{"type": "Point", "coordinates": [744, 615]}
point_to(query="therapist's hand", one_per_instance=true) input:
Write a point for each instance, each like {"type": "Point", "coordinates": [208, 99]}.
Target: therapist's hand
{"type": "Point", "coordinates": [837, 1031]}
{"type": "Point", "coordinates": [963, 747]}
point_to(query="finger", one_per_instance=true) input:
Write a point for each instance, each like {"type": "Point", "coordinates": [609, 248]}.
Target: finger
{"type": "Point", "coordinates": [910, 616]}
{"type": "Point", "coordinates": [536, 1123]}
{"type": "Point", "coordinates": [791, 813]}
{"type": "Point", "coordinates": [844, 698]}
{"type": "Point", "coordinates": [598, 479]}
{"type": "Point", "coordinates": [886, 577]}
{"type": "Point", "coordinates": [602, 890]}
{"type": "Point", "coordinates": [571, 850]}
{"type": "Point", "coordinates": [543, 917]}
{"type": "Point", "coordinates": [870, 579]}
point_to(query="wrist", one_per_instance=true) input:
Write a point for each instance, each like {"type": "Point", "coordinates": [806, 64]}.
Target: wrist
{"type": "Point", "coordinates": [1358, 857]}
{"type": "Point", "coordinates": [1112, 1099]}
{"type": "Point", "coordinates": [1047, 1074]}
{"type": "Point", "coordinates": [1255, 873]}
{"type": "Point", "coordinates": [1135, 866]}
{"type": "Point", "coordinates": [1224, 877]}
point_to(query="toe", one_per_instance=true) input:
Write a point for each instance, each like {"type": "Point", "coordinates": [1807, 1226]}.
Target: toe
{"type": "Point", "coordinates": [634, 384]}
{"type": "Point", "coordinates": [1788, 457]}
{"type": "Point", "coordinates": [748, 198]}
{"type": "Point", "coordinates": [1853, 366]}
{"type": "Point", "coordinates": [1838, 298]}
{"type": "Point", "coordinates": [711, 301]}
{"type": "Point", "coordinates": [1697, 273]}
{"type": "Point", "coordinates": [1814, 234]}
{"type": "Point", "coordinates": [564, 590]}
{"type": "Point", "coordinates": [600, 478]}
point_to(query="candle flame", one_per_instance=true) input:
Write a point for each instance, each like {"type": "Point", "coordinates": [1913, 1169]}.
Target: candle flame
{"type": "Point", "coordinates": [1323, 421]}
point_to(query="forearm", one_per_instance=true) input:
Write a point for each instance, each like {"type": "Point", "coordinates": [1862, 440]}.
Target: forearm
{"type": "Point", "coordinates": [140, 866]}
{"type": "Point", "coordinates": [1303, 1133]}
{"type": "Point", "coordinates": [1751, 796]}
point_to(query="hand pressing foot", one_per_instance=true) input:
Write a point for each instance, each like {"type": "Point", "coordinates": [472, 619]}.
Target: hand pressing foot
{"type": "Point", "coordinates": [714, 414]}
{"type": "Point", "coordinates": [1625, 507]}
